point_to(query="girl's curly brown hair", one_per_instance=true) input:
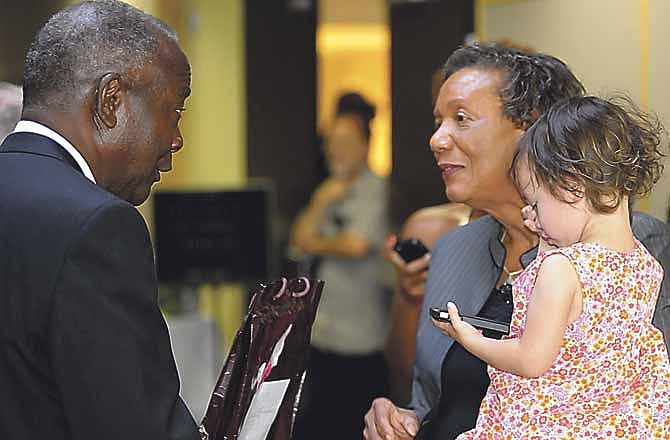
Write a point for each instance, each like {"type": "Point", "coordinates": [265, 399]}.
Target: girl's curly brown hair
{"type": "Point", "coordinates": [594, 148]}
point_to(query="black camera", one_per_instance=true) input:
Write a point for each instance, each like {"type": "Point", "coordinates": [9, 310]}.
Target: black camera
{"type": "Point", "coordinates": [410, 249]}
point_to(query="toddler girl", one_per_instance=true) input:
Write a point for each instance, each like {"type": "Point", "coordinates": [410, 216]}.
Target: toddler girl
{"type": "Point", "coordinates": [582, 359]}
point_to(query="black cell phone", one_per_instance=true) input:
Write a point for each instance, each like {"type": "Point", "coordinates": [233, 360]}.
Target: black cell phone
{"type": "Point", "coordinates": [410, 249]}
{"type": "Point", "coordinates": [475, 321]}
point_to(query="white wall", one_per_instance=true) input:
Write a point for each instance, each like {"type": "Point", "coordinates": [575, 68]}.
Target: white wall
{"type": "Point", "coordinates": [659, 90]}
{"type": "Point", "coordinates": [611, 45]}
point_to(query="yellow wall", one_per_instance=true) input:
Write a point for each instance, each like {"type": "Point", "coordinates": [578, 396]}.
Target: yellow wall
{"type": "Point", "coordinates": [659, 93]}
{"type": "Point", "coordinates": [611, 45]}
{"type": "Point", "coordinates": [214, 125]}
{"type": "Point", "coordinates": [211, 32]}
{"type": "Point", "coordinates": [149, 6]}
{"type": "Point", "coordinates": [599, 39]}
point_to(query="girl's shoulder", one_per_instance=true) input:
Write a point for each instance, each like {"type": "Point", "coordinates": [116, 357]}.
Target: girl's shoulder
{"type": "Point", "coordinates": [594, 260]}
{"type": "Point", "coordinates": [570, 262]}
{"type": "Point", "coordinates": [589, 250]}
{"type": "Point", "coordinates": [559, 262]}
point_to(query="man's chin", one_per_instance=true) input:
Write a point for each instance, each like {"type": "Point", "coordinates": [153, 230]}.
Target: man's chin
{"type": "Point", "coordinates": [140, 196]}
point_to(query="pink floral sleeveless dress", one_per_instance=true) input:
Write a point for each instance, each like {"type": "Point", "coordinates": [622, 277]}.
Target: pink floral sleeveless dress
{"type": "Point", "coordinates": [611, 378]}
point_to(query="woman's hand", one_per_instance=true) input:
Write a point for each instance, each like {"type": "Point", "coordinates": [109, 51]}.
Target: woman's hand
{"type": "Point", "coordinates": [459, 330]}
{"type": "Point", "coordinates": [385, 421]}
{"type": "Point", "coordinates": [411, 276]}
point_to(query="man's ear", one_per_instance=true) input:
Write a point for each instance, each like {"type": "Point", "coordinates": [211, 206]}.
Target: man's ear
{"type": "Point", "coordinates": [108, 98]}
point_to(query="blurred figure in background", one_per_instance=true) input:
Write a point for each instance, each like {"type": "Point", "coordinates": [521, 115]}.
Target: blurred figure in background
{"type": "Point", "coordinates": [10, 107]}
{"type": "Point", "coordinates": [345, 224]}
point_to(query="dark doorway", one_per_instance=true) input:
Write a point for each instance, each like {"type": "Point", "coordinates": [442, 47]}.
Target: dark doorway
{"type": "Point", "coordinates": [19, 21]}
{"type": "Point", "coordinates": [423, 35]}
{"type": "Point", "coordinates": [281, 101]}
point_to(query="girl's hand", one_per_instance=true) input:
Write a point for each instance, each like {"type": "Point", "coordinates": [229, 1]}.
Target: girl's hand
{"type": "Point", "coordinates": [458, 330]}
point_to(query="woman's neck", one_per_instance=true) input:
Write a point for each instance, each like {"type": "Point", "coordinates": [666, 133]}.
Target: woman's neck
{"type": "Point", "coordinates": [517, 238]}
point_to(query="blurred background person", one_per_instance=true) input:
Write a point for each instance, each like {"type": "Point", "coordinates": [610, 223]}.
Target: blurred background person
{"type": "Point", "coordinates": [10, 107]}
{"type": "Point", "coordinates": [345, 224]}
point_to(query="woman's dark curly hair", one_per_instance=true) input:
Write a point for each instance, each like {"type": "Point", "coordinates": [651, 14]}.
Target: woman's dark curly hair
{"type": "Point", "coordinates": [533, 81]}
{"type": "Point", "coordinates": [594, 148]}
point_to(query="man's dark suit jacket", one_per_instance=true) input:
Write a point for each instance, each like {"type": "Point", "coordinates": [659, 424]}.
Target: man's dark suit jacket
{"type": "Point", "coordinates": [84, 349]}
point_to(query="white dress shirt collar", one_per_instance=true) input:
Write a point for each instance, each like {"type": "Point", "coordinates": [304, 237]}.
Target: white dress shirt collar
{"type": "Point", "coordinates": [35, 127]}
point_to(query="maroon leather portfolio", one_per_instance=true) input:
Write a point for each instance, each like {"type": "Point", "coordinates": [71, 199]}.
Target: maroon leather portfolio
{"type": "Point", "coordinates": [266, 362]}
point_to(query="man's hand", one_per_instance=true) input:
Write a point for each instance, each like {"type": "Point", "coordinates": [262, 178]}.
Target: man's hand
{"type": "Point", "coordinates": [385, 421]}
{"type": "Point", "coordinates": [411, 276]}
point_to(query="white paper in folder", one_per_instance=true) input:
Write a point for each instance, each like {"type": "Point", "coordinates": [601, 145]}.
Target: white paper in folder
{"type": "Point", "coordinates": [263, 410]}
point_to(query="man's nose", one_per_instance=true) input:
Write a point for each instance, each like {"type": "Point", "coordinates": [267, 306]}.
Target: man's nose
{"type": "Point", "coordinates": [177, 142]}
